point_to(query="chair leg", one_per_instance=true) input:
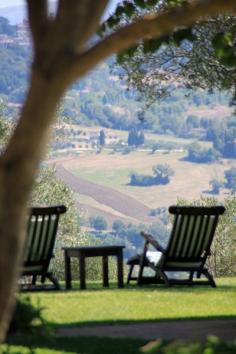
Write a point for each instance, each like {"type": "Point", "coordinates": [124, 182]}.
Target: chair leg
{"type": "Point", "coordinates": [164, 277]}
{"type": "Point", "coordinates": [191, 276]}
{"type": "Point", "coordinates": [140, 274]}
{"type": "Point", "coordinates": [199, 275]}
{"type": "Point", "coordinates": [130, 273]}
{"type": "Point", "coordinates": [34, 279]}
{"type": "Point", "coordinates": [209, 277]}
{"type": "Point", "coordinates": [54, 280]}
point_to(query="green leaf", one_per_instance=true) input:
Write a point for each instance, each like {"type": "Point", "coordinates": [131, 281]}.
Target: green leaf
{"type": "Point", "coordinates": [152, 2]}
{"type": "Point", "coordinates": [229, 61]}
{"type": "Point", "coordinates": [112, 21]}
{"type": "Point", "coordinates": [223, 47]}
{"type": "Point", "coordinates": [175, 3]}
{"type": "Point", "coordinates": [130, 52]}
{"type": "Point", "coordinates": [122, 56]}
{"type": "Point", "coordinates": [183, 34]}
{"type": "Point", "coordinates": [153, 44]}
{"type": "Point", "coordinates": [102, 29]}
{"type": "Point", "coordinates": [141, 3]}
{"type": "Point", "coordinates": [129, 9]}
{"type": "Point", "coordinates": [119, 11]}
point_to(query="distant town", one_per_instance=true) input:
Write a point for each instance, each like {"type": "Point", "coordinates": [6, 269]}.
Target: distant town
{"type": "Point", "coordinates": [21, 36]}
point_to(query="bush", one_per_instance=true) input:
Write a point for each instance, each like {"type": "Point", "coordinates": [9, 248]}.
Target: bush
{"type": "Point", "coordinates": [216, 185]}
{"type": "Point", "coordinates": [98, 222]}
{"type": "Point", "coordinates": [162, 174]}
{"type": "Point", "coordinates": [118, 225]}
{"type": "Point", "coordinates": [141, 180]}
{"type": "Point", "coordinates": [212, 345]}
{"type": "Point", "coordinates": [230, 176]}
{"type": "Point", "coordinates": [199, 155]}
{"type": "Point", "coordinates": [27, 318]}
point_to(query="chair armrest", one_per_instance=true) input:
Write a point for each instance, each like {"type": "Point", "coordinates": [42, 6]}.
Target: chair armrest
{"type": "Point", "coordinates": [150, 239]}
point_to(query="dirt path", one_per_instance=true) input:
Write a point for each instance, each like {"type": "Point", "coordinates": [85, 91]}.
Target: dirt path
{"type": "Point", "coordinates": [105, 195]}
{"type": "Point", "coordinates": [109, 216]}
{"type": "Point", "coordinates": [170, 330]}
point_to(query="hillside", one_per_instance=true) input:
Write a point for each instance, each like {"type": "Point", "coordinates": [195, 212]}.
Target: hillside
{"type": "Point", "coordinates": [102, 98]}
{"type": "Point", "coordinates": [15, 14]}
{"type": "Point", "coordinates": [101, 182]}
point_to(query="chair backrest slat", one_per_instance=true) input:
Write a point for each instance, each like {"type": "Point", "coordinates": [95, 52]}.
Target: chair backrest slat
{"type": "Point", "coordinates": [197, 236]}
{"type": "Point", "coordinates": [193, 231]}
{"type": "Point", "coordinates": [39, 239]}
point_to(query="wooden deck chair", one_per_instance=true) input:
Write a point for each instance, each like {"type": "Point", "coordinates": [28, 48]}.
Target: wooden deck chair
{"type": "Point", "coordinates": [187, 250]}
{"type": "Point", "coordinates": [41, 235]}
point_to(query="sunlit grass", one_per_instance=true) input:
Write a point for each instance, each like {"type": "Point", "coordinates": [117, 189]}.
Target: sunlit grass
{"type": "Point", "coordinates": [98, 305]}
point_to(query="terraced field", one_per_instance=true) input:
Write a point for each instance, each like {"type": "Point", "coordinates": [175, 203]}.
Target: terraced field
{"type": "Point", "coordinates": [102, 181]}
{"type": "Point", "coordinates": [122, 205]}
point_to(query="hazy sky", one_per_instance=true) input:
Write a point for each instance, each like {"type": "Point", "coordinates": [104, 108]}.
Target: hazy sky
{"type": "Point", "coordinates": [8, 3]}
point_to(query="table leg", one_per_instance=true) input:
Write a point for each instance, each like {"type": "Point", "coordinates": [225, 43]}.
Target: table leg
{"type": "Point", "coordinates": [67, 271]}
{"type": "Point", "coordinates": [120, 269]}
{"type": "Point", "coordinates": [105, 271]}
{"type": "Point", "coordinates": [82, 271]}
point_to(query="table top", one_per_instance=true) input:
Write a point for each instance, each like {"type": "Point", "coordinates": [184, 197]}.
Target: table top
{"type": "Point", "coordinates": [92, 248]}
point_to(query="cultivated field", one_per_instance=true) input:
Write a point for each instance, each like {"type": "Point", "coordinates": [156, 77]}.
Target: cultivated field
{"type": "Point", "coordinates": [110, 192]}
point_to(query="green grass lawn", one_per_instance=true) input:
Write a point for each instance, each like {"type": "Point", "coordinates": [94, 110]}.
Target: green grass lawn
{"type": "Point", "coordinates": [132, 304]}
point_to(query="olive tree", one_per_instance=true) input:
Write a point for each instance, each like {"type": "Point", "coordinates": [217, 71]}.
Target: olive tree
{"type": "Point", "coordinates": [62, 53]}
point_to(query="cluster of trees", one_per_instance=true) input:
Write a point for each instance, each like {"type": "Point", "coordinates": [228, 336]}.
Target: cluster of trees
{"type": "Point", "coordinates": [6, 27]}
{"type": "Point", "coordinates": [98, 223]}
{"type": "Point", "coordinates": [14, 72]}
{"type": "Point", "coordinates": [100, 95]}
{"type": "Point", "coordinates": [162, 174]}
{"type": "Point", "coordinates": [223, 136]}
{"type": "Point", "coordinates": [129, 235]}
{"type": "Point", "coordinates": [198, 154]}
{"type": "Point", "coordinates": [228, 182]}
{"type": "Point", "coordinates": [102, 138]}
{"type": "Point", "coordinates": [136, 137]}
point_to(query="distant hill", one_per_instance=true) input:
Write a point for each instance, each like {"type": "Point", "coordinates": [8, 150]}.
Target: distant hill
{"type": "Point", "coordinates": [15, 14]}
{"type": "Point", "coordinates": [102, 98]}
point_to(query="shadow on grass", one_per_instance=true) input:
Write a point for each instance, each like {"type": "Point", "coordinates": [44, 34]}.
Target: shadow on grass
{"type": "Point", "coordinates": [88, 345]}
{"type": "Point", "coordinates": [140, 321]}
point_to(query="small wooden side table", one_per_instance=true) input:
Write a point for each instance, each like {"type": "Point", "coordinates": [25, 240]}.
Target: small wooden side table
{"type": "Point", "coordinates": [98, 251]}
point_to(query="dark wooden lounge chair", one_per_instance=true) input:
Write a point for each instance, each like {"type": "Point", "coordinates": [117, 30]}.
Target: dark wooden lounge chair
{"type": "Point", "coordinates": [187, 250]}
{"type": "Point", "coordinates": [41, 235]}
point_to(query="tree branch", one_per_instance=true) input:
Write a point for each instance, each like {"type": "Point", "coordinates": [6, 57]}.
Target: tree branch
{"type": "Point", "coordinates": [38, 18]}
{"type": "Point", "coordinates": [156, 25]}
{"type": "Point", "coordinates": [77, 20]}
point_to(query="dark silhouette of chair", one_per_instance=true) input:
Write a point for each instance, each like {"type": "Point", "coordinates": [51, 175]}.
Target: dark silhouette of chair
{"type": "Point", "coordinates": [41, 235]}
{"type": "Point", "coordinates": [187, 250]}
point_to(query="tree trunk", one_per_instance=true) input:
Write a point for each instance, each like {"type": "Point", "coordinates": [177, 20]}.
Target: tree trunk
{"type": "Point", "coordinates": [18, 166]}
